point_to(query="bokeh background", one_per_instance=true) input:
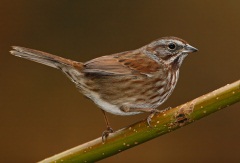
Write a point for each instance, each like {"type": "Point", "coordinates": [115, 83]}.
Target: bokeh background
{"type": "Point", "coordinates": [41, 111]}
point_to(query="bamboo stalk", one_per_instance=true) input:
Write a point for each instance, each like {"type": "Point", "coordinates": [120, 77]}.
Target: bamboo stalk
{"type": "Point", "coordinates": [162, 123]}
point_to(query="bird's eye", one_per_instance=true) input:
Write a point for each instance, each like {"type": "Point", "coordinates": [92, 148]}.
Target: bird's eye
{"type": "Point", "coordinates": [172, 46]}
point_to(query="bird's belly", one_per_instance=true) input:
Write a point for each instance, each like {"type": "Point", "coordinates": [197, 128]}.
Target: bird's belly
{"type": "Point", "coordinates": [112, 93]}
{"type": "Point", "coordinates": [108, 107]}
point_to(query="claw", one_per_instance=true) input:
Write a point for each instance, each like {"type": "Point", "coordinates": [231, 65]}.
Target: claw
{"type": "Point", "coordinates": [106, 133]}
{"type": "Point", "coordinates": [149, 118]}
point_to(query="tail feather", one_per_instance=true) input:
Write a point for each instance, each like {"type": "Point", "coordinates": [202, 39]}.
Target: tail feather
{"type": "Point", "coordinates": [71, 68]}
{"type": "Point", "coordinates": [42, 57]}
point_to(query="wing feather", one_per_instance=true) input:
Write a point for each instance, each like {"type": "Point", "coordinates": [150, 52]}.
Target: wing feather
{"type": "Point", "coordinates": [127, 63]}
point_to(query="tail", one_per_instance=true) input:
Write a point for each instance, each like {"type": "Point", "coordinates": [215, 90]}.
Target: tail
{"type": "Point", "coordinates": [68, 66]}
{"type": "Point", "coordinates": [44, 58]}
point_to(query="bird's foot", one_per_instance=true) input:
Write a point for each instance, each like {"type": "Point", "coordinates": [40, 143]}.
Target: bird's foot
{"type": "Point", "coordinates": [106, 133]}
{"type": "Point", "coordinates": [153, 112]}
{"type": "Point", "coordinates": [149, 118]}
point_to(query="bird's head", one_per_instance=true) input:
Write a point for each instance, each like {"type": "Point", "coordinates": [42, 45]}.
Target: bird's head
{"type": "Point", "coordinates": [169, 50]}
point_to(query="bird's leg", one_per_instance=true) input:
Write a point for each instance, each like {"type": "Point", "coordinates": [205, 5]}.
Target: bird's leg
{"type": "Point", "coordinates": [109, 129]}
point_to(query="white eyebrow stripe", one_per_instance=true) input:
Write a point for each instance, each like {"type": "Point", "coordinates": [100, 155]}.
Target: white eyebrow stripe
{"type": "Point", "coordinates": [177, 42]}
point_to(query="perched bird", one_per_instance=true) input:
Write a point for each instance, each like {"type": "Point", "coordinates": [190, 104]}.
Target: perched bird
{"type": "Point", "coordinates": [125, 83]}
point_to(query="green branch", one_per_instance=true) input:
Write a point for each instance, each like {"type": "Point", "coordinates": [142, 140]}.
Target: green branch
{"type": "Point", "coordinates": [162, 123]}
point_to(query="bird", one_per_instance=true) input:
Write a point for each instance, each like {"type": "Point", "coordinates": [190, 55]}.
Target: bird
{"type": "Point", "coordinates": [125, 83]}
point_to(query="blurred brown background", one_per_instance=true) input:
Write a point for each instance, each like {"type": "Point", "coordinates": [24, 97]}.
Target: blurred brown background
{"type": "Point", "coordinates": [41, 111]}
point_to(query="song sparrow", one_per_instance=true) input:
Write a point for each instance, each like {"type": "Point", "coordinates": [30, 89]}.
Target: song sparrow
{"type": "Point", "coordinates": [124, 83]}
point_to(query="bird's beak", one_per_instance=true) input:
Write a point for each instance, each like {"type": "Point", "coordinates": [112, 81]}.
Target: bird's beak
{"type": "Point", "coordinates": [189, 49]}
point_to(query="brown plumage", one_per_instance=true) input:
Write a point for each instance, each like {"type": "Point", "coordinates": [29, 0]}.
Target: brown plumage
{"type": "Point", "coordinates": [125, 83]}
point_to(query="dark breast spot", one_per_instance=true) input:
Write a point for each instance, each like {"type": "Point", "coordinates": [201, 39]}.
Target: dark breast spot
{"type": "Point", "coordinates": [127, 63]}
{"type": "Point", "coordinates": [152, 97]}
{"type": "Point", "coordinates": [140, 100]}
{"type": "Point", "coordinates": [122, 60]}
